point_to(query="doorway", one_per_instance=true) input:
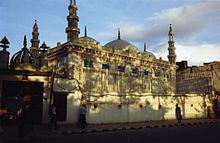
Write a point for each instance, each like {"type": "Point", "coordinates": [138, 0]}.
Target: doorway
{"type": "Point", "coordinates": [60, 100]}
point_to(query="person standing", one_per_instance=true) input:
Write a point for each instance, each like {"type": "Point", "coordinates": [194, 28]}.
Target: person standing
{"type": "Point", "coordinates": [82, 116]}
{"type": "Point", "coordinates": [25, 116]}
{"type": "Point", "coordinates": [178, 113]}
{"type": "Point", "coordinates": [53, 118]}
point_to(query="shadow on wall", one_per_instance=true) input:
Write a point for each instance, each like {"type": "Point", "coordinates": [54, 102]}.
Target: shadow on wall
{"type": "Point", "coordinates": [118, 113]}
{"type": "Point", "coordinates": [162, 111]}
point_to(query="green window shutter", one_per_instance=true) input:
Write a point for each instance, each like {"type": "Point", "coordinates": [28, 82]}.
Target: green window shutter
{"type": "Point", "coordinates": [88, 63]}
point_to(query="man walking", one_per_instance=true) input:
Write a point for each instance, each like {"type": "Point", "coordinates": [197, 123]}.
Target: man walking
{"type": "Point", "coordinates": [82, 116]}
{"type": "Point", "coordinates": [53, 118]}
{"type": "Point", "coordinates": [178, 113]}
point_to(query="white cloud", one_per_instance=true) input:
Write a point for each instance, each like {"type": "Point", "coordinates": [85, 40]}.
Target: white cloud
{"type": "Point", "coordinates": [189, 11]}
{"type": "Point", "coordinates": [191, 19]}
{"type": "Point", "coordinates": [195, 54]}
{"type": "Point", "coordinates": [188, 23]}
{"type": "Point", "coordinates": [187, 20]}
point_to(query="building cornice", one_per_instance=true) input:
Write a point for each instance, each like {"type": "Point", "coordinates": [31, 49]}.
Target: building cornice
{"type": "Point", "coordinates": [24, 72]}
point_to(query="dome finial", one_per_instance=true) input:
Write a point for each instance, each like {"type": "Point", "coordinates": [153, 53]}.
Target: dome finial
{"type": "Point", "coordinates": [145, 47]}
{"type": "Point", "coordinates": [85, 31]}
{"type": "Point", "coordinates": [35, 27]}
{"type": "Point", "coordinates": [171, 30]}
{"type": "Point", "coordinates": [119, 34]}
{"type": "Point", "coordinates": [73, 2]}
{"type": "Point", "coordinates": [25, 42]}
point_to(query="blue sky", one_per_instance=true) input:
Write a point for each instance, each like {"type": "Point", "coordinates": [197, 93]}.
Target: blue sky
{"type": "Point", "coordinates": [195, 24]}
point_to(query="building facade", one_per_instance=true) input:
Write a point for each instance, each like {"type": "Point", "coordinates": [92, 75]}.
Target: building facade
{"type": "Point", "coordinates": [200, 80]}
{"type": "Point", "coordinates": [117, 81]}
{"type": "Point", "coordinates": [206, 78]}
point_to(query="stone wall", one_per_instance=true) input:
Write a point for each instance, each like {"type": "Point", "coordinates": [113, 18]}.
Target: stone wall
{"type": "Point", "coordinates": [196, 85]}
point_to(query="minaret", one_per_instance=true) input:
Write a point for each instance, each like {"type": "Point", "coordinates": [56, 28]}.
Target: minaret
{"type": "Point", "coordinates": [172, 55]}
{"type": "Point", "coordinates": [35, 44]}
{"type": "Point", "coordinates": [172, 59]}
{"type": "Point", "coordinates": [72, 30]}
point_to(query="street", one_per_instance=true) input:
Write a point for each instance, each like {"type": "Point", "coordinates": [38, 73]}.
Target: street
{"type": "Point", "coordinates": [204, 133]}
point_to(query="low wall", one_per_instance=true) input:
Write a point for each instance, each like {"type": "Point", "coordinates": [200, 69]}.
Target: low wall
{"type": "Point", "coordinates": [137, 108]}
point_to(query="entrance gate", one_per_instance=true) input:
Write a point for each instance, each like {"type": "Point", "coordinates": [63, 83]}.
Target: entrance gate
{"type": "Point", "coordinates": [12, 97]}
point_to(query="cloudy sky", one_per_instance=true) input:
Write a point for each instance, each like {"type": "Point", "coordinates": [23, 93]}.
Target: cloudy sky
{"type": "Point", "coordinates": [196, 24]}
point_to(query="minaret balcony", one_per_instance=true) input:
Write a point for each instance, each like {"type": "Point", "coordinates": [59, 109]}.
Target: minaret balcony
{"type": "Point", "coordinates": [72, 29]}
{"type": "Point", "coordinates": [73, 17]}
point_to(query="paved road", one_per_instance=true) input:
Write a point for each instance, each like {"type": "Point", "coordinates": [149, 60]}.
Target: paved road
{"type": "Point", "coordinates": [189, 134]}
{"type": "Point", "coordinates": [196, 133]}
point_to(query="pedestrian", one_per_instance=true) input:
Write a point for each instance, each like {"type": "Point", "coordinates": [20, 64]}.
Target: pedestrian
{"type": "Point", "coordinates": [82, 116]}
{"type": "Point", "coordinates": [208, 112]}
{"type": "Point", "coordinates": [178, 113]}
{"type": "Point", "coordinates": [53, 117]}
{"type": "Point", "coordinates": [25, 116]}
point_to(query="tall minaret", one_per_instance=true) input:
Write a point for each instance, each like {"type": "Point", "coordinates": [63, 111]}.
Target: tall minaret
{"type": "Point", "coordinates": [35, 44]}
{"type": "Point", "coordinates": [72, 30]}
{"type": "Point", "coordinates": [172, 55]}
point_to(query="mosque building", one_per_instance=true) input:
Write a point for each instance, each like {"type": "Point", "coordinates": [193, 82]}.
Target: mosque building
{"type": "Point", "coordinates": [117, 81]}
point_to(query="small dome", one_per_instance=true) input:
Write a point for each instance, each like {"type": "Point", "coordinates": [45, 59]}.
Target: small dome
{"type": "Point", "coordinates": [148, 55]}
{"type": "Point", "coordinates": [145, 54]}
{"type": "Point", "coordinates": [88, 39]}
{"type": "Point", "coordinates": [120, 44]}
{"type": "Point", "coordinates": [23, 56]}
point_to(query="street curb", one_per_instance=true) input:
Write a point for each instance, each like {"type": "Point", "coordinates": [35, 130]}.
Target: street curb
{"type": "Point", "coordinates": [138, 127]}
